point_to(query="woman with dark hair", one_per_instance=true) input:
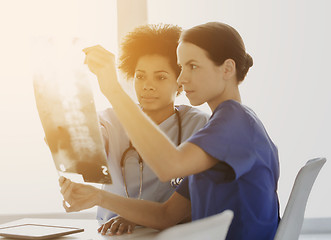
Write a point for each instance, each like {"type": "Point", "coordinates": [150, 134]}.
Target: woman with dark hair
{"type": "Point", "coordinates": [231, 163]}
{"type": "Point", "coordinates": [148, 57]}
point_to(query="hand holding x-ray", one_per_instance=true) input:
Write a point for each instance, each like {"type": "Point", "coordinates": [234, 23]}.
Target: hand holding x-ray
{"type": "Point", "coordinates": [102, 63]}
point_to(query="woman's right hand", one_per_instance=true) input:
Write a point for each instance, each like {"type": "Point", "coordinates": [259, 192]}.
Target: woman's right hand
{"type": "Point", "coordinates": [117, 226]}
{"type": "Point", "coordinates": [102, 63]}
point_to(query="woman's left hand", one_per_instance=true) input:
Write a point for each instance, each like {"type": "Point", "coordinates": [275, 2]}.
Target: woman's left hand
{"type": "Point", "coordinates": [78, 196]}
{"type": "Point", "coordinates": [117, 225]}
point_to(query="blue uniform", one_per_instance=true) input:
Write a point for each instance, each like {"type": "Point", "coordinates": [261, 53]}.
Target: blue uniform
{"type": "Point", "coordinates": [244, 180]}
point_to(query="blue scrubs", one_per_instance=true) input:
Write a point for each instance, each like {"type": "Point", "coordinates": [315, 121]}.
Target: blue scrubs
{"type": "Point", "coordinates": [244, 180]}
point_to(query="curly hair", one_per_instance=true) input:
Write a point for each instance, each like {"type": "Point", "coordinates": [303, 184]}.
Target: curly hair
{"type": "Point", "coordinates": [161, 39]}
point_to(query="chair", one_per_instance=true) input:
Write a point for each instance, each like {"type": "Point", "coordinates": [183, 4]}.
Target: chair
{"type": "Point", "coordinates": [290, 226]}
{"type": "Point", "coordinates": [213, 227]}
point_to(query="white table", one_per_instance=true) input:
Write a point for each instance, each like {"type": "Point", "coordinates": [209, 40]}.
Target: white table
{"type": "Point", "coordinates": [313, 229]}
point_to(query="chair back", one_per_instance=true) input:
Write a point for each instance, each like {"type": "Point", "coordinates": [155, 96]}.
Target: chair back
{"type": "Point", "coordinates": [290, 225]}
{"type": "Point", "coordinates": [211, 228]}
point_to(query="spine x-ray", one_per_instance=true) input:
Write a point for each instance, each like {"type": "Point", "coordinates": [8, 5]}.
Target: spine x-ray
{"type": "Point", "coordinates": [67, 111]}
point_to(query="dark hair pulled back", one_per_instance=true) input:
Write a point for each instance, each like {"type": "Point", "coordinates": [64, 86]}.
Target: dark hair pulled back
{"type": "Point", "coordinates": [221, 42]}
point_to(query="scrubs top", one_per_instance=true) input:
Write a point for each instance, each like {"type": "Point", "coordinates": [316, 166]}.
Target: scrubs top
{"type": "Point", "coordinates": [245, 178]}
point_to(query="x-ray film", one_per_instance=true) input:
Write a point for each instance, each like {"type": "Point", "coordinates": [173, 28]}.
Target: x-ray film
{"type": "Point", "coordinates": [67, 112]}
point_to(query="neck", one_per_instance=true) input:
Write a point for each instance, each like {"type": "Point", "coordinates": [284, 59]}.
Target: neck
{"type": "Point", "coordinates": [160, 115]}
{"type": "Point", "coordinates": [228, 94]}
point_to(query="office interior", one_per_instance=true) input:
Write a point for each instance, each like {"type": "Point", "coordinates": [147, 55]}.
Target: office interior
{"type": "Point", "coordinates": [288, 86]}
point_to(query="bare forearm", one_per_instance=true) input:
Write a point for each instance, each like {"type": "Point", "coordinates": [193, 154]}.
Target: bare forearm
{"type": "Point", "coordinates": [79, 196]}
{"type": "Point", "coordinates": [141, 212]}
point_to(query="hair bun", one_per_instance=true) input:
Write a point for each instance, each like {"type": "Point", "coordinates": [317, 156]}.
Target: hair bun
{"type": "Point", "coordinates": [249, 61]}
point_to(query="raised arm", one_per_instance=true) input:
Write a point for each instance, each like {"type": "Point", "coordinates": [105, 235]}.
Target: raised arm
{"type": "Point", "coordinates": [156, 149]}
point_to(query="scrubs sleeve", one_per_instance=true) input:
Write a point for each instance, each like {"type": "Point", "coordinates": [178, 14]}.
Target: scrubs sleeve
{"type": "Point", "coordinates": [104, 136]}
{"type": "Point", "coordinates": [227, 137]}
{"type": "Point", "coordinates": [183, 189]}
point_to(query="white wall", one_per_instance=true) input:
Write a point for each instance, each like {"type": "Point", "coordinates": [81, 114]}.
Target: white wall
{"type": "Point", "coordinates": [28, 180]}
{"type": "Point", "coordinates": [289, 84]}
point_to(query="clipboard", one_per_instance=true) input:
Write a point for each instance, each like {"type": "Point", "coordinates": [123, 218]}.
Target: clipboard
{"type": "Point", "coordinates": [37, 231]}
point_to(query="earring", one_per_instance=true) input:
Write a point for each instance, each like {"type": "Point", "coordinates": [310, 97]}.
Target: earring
{"type": "Point", "coordinates": [179, 90]}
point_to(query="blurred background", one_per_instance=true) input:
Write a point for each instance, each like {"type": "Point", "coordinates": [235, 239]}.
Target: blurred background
{"type": "Point", "coordinates": [288, 86]}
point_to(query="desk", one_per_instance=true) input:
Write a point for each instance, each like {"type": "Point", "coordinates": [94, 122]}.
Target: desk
{"type": "Point", "coordinates": [90, 229]}
{"type": "Point", "coordinates": [313, 229]}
